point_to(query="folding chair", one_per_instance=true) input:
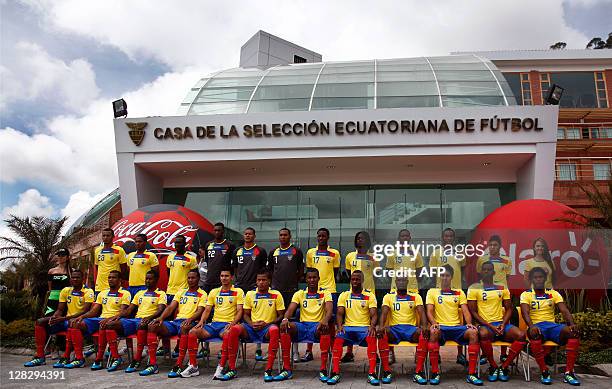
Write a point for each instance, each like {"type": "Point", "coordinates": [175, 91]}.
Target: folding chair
{"type": "Point", "coordinates": [59, 333]}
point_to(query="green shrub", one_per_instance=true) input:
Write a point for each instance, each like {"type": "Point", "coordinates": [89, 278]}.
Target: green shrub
{"type": "Point", "coordinates": [595, 358]}
{"type": "Point", "coordinates": [17, 305]}
{"type": "Point", "coordinates": [18, 333]}
{"type": "Point", "coordinates": [595, 329]}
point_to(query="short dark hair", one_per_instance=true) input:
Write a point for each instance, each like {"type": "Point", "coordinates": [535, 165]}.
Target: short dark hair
{"type": "Point", "coordinates": [448, 229]}
{"type": "Point", "coordinates": [219, 224]}
{"type": "Point", "coordinates": [181, 237]}
{"type": "Point", "coordinates": [154, 274]}
{"type": "Point", "coordinates": [115, 272]}
{"type": "Point", "coordinates": [449, 269]}
{"type": "Point", "coordinates": [264, 271]}
{"type": "Point", "coordinates": [141, 236]}
{"type": "Point", "coordinates": [196, 271]}
{"type": "Point", "coordinates": [285, 229]}
{"type": "Point", "coordinates": [250, 228]}
{"type": "Point", "coordinates": [535, 270]}
{"type": "Point", "coordinates": [312, 270]}
{"type": "Point", "coordinates": [227, 268]}
{"type": "Point", "coordinates": [368, 240]}
{"type": "Point", "coordinates": [495, 238]}
{"type": "Point", "coordinates": [488, 263]}
{"type": "Point", "coordinates": [324, 230]}
{"type": "Point", "coordinates": [109, 229]}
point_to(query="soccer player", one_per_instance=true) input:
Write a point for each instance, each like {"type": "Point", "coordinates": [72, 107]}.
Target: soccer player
{"type": "Point", "coordinates": [355, 323]}
{"type": "Point", "coordinates": [217, 255]}
{"type": "Point", "coordinates": [140, 262]}
{"type": "Point", "coordinates": [316, 310]}
{"type": "Point", "coordinates": [538, 309]}
{"type": "Point", "coordinates": [107, 257]}
{"type": "Point", "coordinates": [501, 263]}
{"type": "Point", "coordinates": [148, 304]}
{"type": "Point", "coordinates": [74, 301]}
{"type": "Point", "coordinates": [327, 261]}
{"type": "Point", "coordinates": [541, 258]}
{"type": "Point", "coordinates": [439, 259]}
{"type": "Point", "coordinates": [189, 304]}
{"type": "Point", "coordinates": [398, 322]}
{"type": "Point", "coordinates": [412, 262]}
{"type": "Point", "coordinates": [286, 262]}
{"type": "Point", "coordinates": [105, 311]}
{"type": "Point", "coordinates": [227, 302]}
{"type": "Point", "coordinates": [262, 312]}
{"type": "Point", "coordinates": [179, 264]}
{"type": "Point", "coordinates": [443, 305]}
{"type": "Point", "coordinates": [485, 301]}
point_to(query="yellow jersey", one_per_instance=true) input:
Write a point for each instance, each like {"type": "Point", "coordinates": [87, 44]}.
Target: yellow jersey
{"type": "Point", "coordinates": [225, 303]}
{"type": "Point", "coordinates": [139, 265]}
{"type": "Point", "coordinates": [188, 302]}
{"type": "Point", "coordinates": [357, 307]}
{"type": "Point", "coordinates": [112, 301]}
{"type": "Point", "coordinates": [406, 262]}
{"type": "Point", "coordinates": [107, 260]}
{"type": "Point", "coordinates": [541, 307]}
{"type": "Point", "coordinates": [532, 263]}
{"type": "Point", "coordinates": [446, 305]}
{"type": "Point", "coordinates": [403, 309]}
{"type": "Point", "coordinates": [325, 261]}
{"type": "Point", "coordinates": [501, 265]}
{"type": "Point", "coordinates": [76, 299]}
{"type": "Point", "coordinates": [148, 302]}
{"type": "Point", "coordinates": [366, 264]}
{"type": "Point", "coordinates": [264, 306]}
{"type": "Point", "coordinates": [438, 259]}
{"type": "Point", "coordinates": [179, 266]}
{"type": "Point", "coordinates": [312, 305]}
{"type": "Point", "coordinates": [489, 301]}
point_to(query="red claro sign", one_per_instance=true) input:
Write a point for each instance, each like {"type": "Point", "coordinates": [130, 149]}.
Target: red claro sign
{"type": "Point", "coordinates": [162, 223]}
{"type": "Point", "coordinates": [579, 255]}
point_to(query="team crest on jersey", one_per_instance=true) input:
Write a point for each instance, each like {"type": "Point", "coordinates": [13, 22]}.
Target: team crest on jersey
{"type": "Point", "coordinates": [270, 302]}
{"type": "Point", "coordinates": [455, 299]}
{"type": "Point", "coordinates": [499, 294]}
{"type": "Point", "coordinates": [231, 300]}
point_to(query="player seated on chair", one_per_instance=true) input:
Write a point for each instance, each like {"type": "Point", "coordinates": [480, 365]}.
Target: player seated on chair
{"type": "Point", "coordinates": [401, 309]}
{"type": "Point", "coordinates": [227, 302]}
{"type": "Point", "coordinates": [104, 312]}
{"type": "Point", "coordinates": [443, 307]}
{"type": "Point", "coordinates": [148, 304]}
{"type": "Point", "coordinates": [262, 312]}
{"type": "Point", "coordinates": [538, 310]}
{"type": "Point", "coordinates": [74, 301]}
{"type": "Point", "coordinates": [355, 325]}
{"type": "Point", "coordinates": [316, 310]}
{"type": "Point", "coordinates": [188, 304]}
{"type": "Point", "coordinates": [491, 307]}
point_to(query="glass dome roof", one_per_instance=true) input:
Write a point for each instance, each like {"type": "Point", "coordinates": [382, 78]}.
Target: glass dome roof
{"type": "Point", "coordinates": [450, 81]}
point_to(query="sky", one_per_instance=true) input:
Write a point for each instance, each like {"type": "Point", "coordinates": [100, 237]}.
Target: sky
{"type": "Point", "coordinates": [62, 63]}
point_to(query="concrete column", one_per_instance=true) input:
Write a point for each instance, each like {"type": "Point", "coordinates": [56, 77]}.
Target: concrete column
{"type": "Point", "coordinates": [535, 179]}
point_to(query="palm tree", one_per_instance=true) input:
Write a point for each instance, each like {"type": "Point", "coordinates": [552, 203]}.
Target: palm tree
{"type": "Point", "coordinates": [32, 249]}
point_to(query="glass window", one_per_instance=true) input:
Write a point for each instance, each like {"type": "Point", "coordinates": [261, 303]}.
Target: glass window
{"type": "Point", "coordinates": [600, 85]}
{"type": "Point", "coordinates": [560, 133]}
{"type": "Point", "coordinates": [407, 101]}
{"type": "Point", "coordinates": [601, 171]}
{"type": "Point", "coordinates": [463, 101]}
{"type": "Point", "coordinates": [514, 83]}
{"type": "Point", "coordinates": [579, 89]}
{"type": "Point", "coordinates": [606, 133]}
{"type": "Point", "coordinates": [566, 172]}
{"type": "Point", "coordinates": [572, 133]}
{"type": "Point", "coordinates": [469, 88]}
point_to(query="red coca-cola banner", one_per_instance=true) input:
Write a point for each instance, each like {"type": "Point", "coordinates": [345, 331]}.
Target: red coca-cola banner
{"type": "Point", "coordinates": [162, 223]}
{"type": "Point", "coordinates": [579, 255]}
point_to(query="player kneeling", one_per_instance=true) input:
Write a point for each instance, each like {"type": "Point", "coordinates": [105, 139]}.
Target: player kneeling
{"type": "Point", "coordinates": [227, 303]}
{"type": "Point", "coordinates": [316, 310]}
{"type": "Point", "coordinates": [538, 309]}
{"type": "Point", "coordinates": [401, 310]}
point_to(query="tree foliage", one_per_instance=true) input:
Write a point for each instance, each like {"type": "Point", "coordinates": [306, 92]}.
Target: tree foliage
{"type": "Point", "coordinates": [597, 43]}
{"type": "Point", "coordinates": [558, 46]}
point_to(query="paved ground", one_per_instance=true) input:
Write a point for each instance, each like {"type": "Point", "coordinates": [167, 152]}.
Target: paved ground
{"type": "Point", "coordinates": [305, 376]}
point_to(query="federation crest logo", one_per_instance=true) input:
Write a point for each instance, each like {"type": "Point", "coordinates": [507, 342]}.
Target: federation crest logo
{"type": "Point", "coordinates": [136, 132]}
{"type": "Point", "coordinates": [270, 302]}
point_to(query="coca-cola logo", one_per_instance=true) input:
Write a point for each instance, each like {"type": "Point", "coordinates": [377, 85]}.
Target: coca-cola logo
{"type": "Point", "coordinates": [160, 233]}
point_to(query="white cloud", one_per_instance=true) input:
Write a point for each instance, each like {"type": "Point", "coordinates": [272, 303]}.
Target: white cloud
{"type": "Point", "coordinates": [31, 203]}
{"type": "Point", "coordinates": [79, 203]}
{"type": "Point", "coordinates": [31, 74]}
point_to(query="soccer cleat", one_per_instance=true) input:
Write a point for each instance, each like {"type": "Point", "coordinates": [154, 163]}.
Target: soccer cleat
{"type": "Point", "coordinates": [420, 378]}
{"type": "Point", "coordinates": [77, 363]}
{"type": "Point", "coordinates": [387, 377]}
{"type": "Point", "coordinates": [434, 379]}
{"type": "Point", "coordinates": [268, 376]}
{"type": "Point", "coordinates": [174, 354]}
{"type": "Point", "coordinates": [348, 357]}
{"type": "Point", "coordinates": [307, 357]}
{"type": "Point", "coordinates": [483, 361]}
{"type": "Point", "coordinates": [503, 374]}
{"type": "Point", "coordinates": [35, 362]}
{"type": "Point", "coordinates": [230, 375]}
{"type": "Point", "coordinates": [190, 371]}
{"type": "Point", "coordinates": [135, 365]}
{"type": "Point", "coordinates": [89, 352]}
{"type": "Point", "coordinates": [284, 375]}
{"type": "Point", "coordinates": [61, 363]}
{"type": "Point", "coordinates": [545, 378]}
{"type": "Point", "coordinates": [218, 373]}
{"type": "Point", "coordinates": [373, 380]}
{"type": "Point", "coordinates": [161, 352]}
{"type": "Point", "coordinates": [493, 374]}
{"type": "Point", "coordinates": [115, 365]}
{"type": "Point", "coordinates": [149, 370]}
{"type": "Point", "coordinates": [502, 358]}
{"type": "Point", "coordinates": [333, 379]}
{"type": "Point", "coordinates": [97, 365]}
{"type": "Point", "coordinates": [259, 356]}
{"type": "Point", "coordinates": [461, 360]}
{"type": "Point", "coordinates": [570, 378]}
{"type": "Point", "coordinates": [175, 372]}
{"type": "Point", "coordinates": [323, 376]}
{"type": "Point", "coordinates": [474, 380]}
